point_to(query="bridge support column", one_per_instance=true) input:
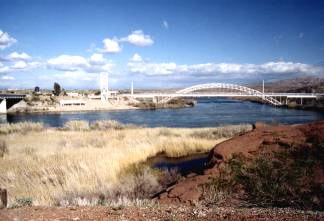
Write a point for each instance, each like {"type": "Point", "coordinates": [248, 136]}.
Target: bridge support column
{"type": "Point", "coordinates": [3, 106]}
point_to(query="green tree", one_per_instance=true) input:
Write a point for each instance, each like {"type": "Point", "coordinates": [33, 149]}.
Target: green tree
{"type": "Point", "coordinates": [57, 89]}
{"type": "Point", "coordinates": [36, 89]}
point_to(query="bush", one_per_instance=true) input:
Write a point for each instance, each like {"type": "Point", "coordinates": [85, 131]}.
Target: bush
{"type": "Point", "coordinates": [76, 125]}
{"type": "Point", "coordinates": [22, 202]}
{"type": "Point", "coordinates": [138, 182]}
{"type": "Point", "coordinates": [3, 148]}
{"type": "Point", "coordinates": [277, 179]}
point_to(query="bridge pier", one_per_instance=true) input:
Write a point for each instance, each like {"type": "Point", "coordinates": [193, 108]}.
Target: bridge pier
{"type": "Point", "coordinates": [3, 106]}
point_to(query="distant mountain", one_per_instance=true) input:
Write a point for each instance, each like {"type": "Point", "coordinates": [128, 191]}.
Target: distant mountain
{"type": "Point", "coordinates": [300, 84]}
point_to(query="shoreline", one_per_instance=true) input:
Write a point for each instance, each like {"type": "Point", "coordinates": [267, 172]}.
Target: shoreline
{"type": "Point", "coordinates": [98, 106]}
{"type": "Point", "coordinates": [297, 107]}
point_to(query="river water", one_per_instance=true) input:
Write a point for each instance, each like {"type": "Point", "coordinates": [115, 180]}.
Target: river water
{"type": "Point", "coordinates": [206, 113]}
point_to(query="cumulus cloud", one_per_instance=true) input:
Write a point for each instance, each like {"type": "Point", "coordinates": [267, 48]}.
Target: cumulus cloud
{"type": "Point", "coordinates": [14, 56]}
{"type": "Point", "coordinates": [110, 46]}
{"type": "Point", "coordinates": [67, 63]}
{"type": "Point", "coordinates": [138, 38]}
{"type": "Point", "coordinates": [18, 62]}
{"type": "Point", "coordinates": [171, 68]}
{"type": "Point", "coordinates": [95, 64]}
{"type": "Point", "coordinates": [136, 58]}
{"type": "Point", "coordinates": [19, 65]}
{"type": "Point", "coordinates": [97, 59]}
{"type": "Point", "coordinates": [165, 24]}
{"type": "Point", "coordinates": [5, 40]}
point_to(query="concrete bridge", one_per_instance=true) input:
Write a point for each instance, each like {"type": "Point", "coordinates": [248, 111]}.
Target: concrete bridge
{"type": "Point", "coordinates": [276, 99]}
{"type": "Point", "coordinates": [8, 100]}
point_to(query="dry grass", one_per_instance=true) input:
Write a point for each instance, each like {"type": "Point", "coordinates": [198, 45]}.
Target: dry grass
{"type": "Point", "coordinates": [21, 127]}
{"type": "Point", "coordinates": [77, 125]}
{"type": "Point", "coordinates": [46, 165]}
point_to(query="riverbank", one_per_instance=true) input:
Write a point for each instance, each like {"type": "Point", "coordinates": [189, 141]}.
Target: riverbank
{"type": "Point", "coordinates": [315, 106]}
{"type": "Point", "coordinates": [47, 106]}
{"type": "Point", "coordinates": [49, 166]}
{"type": "Point", "coordinates": [243, 174]}
{"type": "Point", "coordinates": [270, 166]}
{"type": "Point", "coordinates": [89, 105]}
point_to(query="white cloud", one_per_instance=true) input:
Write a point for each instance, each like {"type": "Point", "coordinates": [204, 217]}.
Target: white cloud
{"type": "Point", "coordinates": [165, 24]}
{"type": "Point", "coordinates": [67, 63]}
{"type": "Point", "coordinates": [170, 68]}
{"type": "Point", "coordinates": [14, 56]}
{"type": "Point", "coordinates": [95, 64]}
{"type": "Point", "coordinates": [19, 65]}
{"type": "Point", "coordinates": [110, 46]}
{"type": "Point", "coordinates": [8, 78]}
{"type": "Point", "coordinates": [97, 59]}
{"type": "Point", "coordinates": [138, 38]}
{"type": "Point", "coordinates": [6, 40]}
{"type": "Point", "coordinates": [136, 58]}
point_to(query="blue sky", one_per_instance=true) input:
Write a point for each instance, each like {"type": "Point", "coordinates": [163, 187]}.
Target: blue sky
{"type": "Point", "coordinates": [158, 43]}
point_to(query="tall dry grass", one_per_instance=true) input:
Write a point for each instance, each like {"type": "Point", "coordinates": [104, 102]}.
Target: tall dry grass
{"type": "Point", "coordinates": [47, 165]}
{"type": "Point", "coordinates": [21, 127]}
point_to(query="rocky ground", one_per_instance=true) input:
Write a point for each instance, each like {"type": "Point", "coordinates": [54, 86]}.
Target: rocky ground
{"type": "Point", "coordinates": [162, 212]}
{"type": "Point", "coordinates": [186, 200]}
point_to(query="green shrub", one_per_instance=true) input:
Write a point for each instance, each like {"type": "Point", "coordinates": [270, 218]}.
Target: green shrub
{"type": "Point", "coordinates": [22, 202]}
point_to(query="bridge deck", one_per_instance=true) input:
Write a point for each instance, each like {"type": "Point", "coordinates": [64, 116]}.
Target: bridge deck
{"type": "Point", "coordinates": [12, 96]}
{"type": "Point", "coordinates": [288, 95]}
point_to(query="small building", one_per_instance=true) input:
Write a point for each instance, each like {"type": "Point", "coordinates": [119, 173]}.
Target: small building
{"type": "Point", "coordinates": [72, 103]}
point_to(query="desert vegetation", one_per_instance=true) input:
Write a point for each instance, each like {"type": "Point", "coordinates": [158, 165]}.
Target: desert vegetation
{"type": "Point", "coordinates": [93, 163]}
{"type": "Point", "coordinates": [174, 103]}
{"type": "Point", "coordinates": [285, 178]}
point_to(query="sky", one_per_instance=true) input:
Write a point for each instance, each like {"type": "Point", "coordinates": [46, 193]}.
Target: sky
{"type": "Point", "coordinates": [158, 44]}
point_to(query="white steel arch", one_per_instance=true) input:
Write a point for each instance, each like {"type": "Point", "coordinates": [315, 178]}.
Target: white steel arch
{"type": "Point", "coordinates": [243, 89]}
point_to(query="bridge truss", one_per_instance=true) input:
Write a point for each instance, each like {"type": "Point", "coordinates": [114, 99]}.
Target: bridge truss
{"type": "Point", "coordinates": [245, 90]}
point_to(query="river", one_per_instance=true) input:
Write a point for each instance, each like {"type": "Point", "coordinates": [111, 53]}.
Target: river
{"type": "Point", "coordinates": [207, 113]}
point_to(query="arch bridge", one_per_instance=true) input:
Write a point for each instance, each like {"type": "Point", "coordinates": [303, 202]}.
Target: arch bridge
{"type": "Point", "coordinates": [236, 91]}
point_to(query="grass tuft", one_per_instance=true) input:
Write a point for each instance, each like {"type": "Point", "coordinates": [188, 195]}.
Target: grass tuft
{"type": "Point", "coordinates": [76, 125]}
{"type": "Point", "coordinates": [3, 148]}
{"type": "Point", "coordinates": [21, 127]}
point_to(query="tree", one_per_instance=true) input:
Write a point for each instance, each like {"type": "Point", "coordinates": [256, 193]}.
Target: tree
{"type": "Point", "coordinates": [57, 89]}
{"type": "Point", "coordinates": [36, 89]}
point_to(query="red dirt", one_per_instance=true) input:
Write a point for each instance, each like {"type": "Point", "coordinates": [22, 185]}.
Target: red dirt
{"type": "Point", "coordinates": [187, 191]}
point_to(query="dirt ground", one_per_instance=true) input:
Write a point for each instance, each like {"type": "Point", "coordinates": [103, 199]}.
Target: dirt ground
{"type": "Point", "coordinates": [161, 212]}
